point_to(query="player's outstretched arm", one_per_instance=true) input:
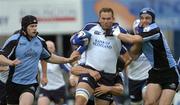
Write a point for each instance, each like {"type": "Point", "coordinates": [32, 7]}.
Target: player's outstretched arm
{"type": "Point", "coordinates": [128, 38]}
{"type": "Point", "coordinates": [44, 79]}
{"type": "Point", "coordinates": [59, 59]}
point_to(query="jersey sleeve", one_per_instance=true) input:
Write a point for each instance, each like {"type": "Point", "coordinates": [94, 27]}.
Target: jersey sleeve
{"type": "Point", "coordinates": [151, 32]}
{"type": "Point", "coordinates": [89, 26]}
{"type": "Point", "coordinates": [123, 50]}
{"type": "Point", "coordinates": [45, 52]}
{"type": "Point", "coordinates": [9, 46]}
{"type": "Point", "coordinates": [122, 30]}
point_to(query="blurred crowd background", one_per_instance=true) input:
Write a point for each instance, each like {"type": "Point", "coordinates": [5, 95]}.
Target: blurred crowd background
{"type": "Point", "coordinates": [59, 19]}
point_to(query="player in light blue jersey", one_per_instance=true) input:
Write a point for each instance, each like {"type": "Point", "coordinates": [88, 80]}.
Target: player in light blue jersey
{"type": "Point", "coordinates": [163, 77]}
{"type": "Point", "coordinates": [4, 71]}
{"type": "Point", "coordinates": [29, 48]}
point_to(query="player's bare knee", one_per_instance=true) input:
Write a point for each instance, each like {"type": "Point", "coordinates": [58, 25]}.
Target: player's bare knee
{"type": "Point", "coordinates": [80, 100]}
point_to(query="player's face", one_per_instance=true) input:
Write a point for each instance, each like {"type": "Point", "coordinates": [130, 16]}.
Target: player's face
{"type": "Point", "coordinates": [145, 19]}
{"type": "Point", "coordinates": [106, 20]}
{"type": "Point", "coordinates": [32, 30]}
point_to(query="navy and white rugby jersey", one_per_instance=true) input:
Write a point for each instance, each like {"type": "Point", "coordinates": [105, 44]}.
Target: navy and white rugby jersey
{"type": "Point", "coordinates": [28, 52]}
{"type": "Point", "coordinates": [54, 75]}
{"type": "Point", "coordinates": [156, 48]}
{"type": "Point", "coordinates": [103, 50]}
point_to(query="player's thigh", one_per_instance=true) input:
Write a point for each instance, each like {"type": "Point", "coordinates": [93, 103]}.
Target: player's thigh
{"type": "Point", "coordinates": [153, 92]}
{"type": "Point", "coordinates": [85, 86]}
{"type": "Point", "coordinates": [26, 98]}
{"type": "Point", "coordinates": [167, 97]}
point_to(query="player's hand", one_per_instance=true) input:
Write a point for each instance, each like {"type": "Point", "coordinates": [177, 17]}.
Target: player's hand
{"type": "Point", "coordinates": [74, 56]}
{"type": "Point", "coordinates": [115, 31]}
{"type": "Point", "coordinates": [102, 89]}
{"type": "Point", "coordinates": [44, 81]}
{"type": "Point", "coordinates": [95, 74]}
{"type": "Point", "coordinates": [73, 80]}
{"type": "Point", "coordinates": [15, 62]}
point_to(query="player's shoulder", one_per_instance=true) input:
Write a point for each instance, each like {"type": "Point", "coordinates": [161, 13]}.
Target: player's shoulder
{"type": "Point", "coordinates": [14, 36]}
{"type": "Point", "coordinates": [116, 25]}
{"type": "Point", "coordinates": [90, 25]}
{"type": "Point", "coordinates": [40, 38]}
{"type": "Point", "coordinates": [123, 30]}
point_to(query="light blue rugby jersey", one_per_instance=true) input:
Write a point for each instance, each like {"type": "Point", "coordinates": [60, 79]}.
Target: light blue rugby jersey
{"type": "Point", "coordinates": [29, 52]}
{"type": "Point", "coordinates": [156, 48]}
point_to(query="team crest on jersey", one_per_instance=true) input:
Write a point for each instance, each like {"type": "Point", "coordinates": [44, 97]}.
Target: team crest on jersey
{"type": "Point", "coordinates": [97, 32]}
{"type": "Point", "coordinates": [30, 53]}
{"type": "Point", "coordinates": [85, 78]}
{"type": "Point", "coordinates": [36, 44]}
{"type": "Point", "coordinates": [22, 43]}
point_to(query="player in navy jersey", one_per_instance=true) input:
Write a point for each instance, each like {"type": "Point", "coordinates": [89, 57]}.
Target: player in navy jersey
{"type": "Point", "coordinates": [101, 54]}
{"type": "Point", "coordinates": [55, 89]}
{"type": "Point", "coordinates": [29, 48]}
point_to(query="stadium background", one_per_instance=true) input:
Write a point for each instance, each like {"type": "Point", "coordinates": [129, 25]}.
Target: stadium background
{"type": "Point", "coordinates": [59, 19]}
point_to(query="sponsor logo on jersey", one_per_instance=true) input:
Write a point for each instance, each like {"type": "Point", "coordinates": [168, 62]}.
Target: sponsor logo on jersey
{"type": "Point", "coordinates": [97, 32]}
{"type": "Point", "coordinates": [85, 78]}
